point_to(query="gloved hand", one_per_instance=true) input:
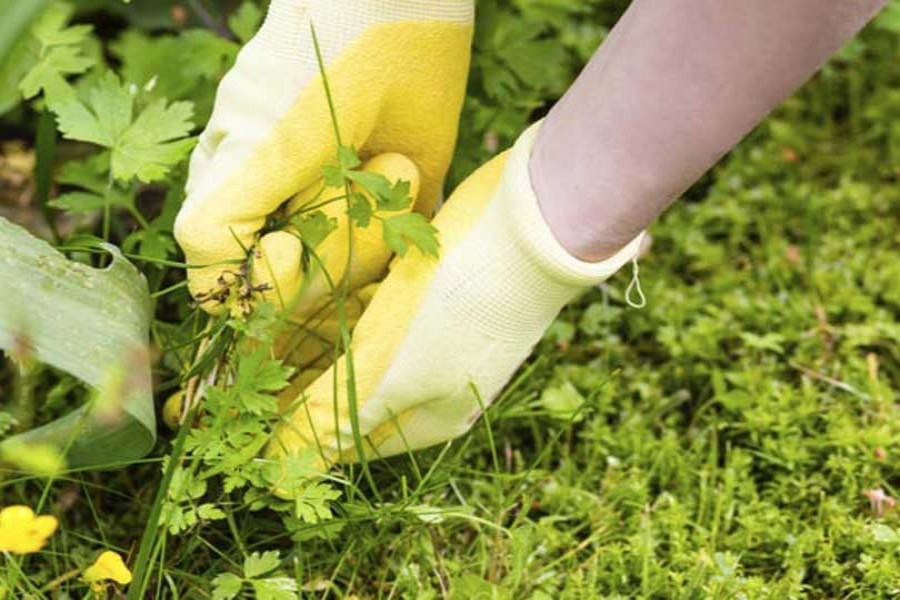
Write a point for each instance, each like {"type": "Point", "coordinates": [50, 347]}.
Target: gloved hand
{"type": "Point", "coordinates": [396, 70]}
{"type": "Point", "coordinates": [442, 337]}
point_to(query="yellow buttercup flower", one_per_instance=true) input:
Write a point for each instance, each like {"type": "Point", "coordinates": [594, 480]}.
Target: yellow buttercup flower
{"type": "Point", "coordinates": [22, 532]}
{"type": "Point", "coordinates": [109, 566]}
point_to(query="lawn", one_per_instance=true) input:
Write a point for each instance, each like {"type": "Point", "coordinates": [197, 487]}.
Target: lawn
{"type": "Point", "coordinates": [738, 437]}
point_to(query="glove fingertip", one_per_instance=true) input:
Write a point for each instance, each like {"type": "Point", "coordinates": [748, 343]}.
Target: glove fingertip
{"type": "Point", "coordinates": [276, 268]}
{"type": "Point", "coordinates": [396, 167]}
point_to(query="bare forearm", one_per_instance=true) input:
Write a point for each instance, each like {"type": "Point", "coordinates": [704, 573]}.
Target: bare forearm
{"type": "Point", "coordinates": [676, 85]}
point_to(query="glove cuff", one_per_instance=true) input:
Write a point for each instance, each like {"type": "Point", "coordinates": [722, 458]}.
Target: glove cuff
{"type": "Point", "coordinates": [529, 226]}
{"type": "Point", "coordinates": [371, 12]}
{"type": "Point", "coordinates": [284, 27]}
{"type": "Point", "coordinates": [338, 22]}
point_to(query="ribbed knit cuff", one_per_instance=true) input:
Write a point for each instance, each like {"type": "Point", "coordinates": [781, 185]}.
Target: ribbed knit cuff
{"type": "Point", "coordinates": [530, 227]}
{"type": "Point", "coordinates": [338, 22]}
{"type": "Point", "coordinates": [382, 11]}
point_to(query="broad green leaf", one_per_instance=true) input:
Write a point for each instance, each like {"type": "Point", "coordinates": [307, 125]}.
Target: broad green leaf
{"type": "Point", "coordinates": [146, 62]}
{"type": "Point", "coordinates": [348, 157]}
{"type": "Point", "coordinates": [360, 211]}
{"type": "Point", "coordinates": [226, 586]}
{"type": "Point", "coordinates": [314, 227]}
{"type": "Point", "coordinates": [145, 147]}
{"type": "Point", "coordinates": [92, 324]}
{"type": "Point", "coordinates": [88, 202]}
{"type": "Point", "coordinates": [20, 60]}
{"type": "Point", "coordinates": [259, 564]}
{"type": "Point", "coordinates": [275, 588]}
{"type": "Point", "coordinates": [78, 202]}
{"type": "Point", "coordinates": [48, 75]}
{"type": "Point", "coordinates": [410, 228]}
{"type": "Point", "coordinates": [55, 51]}
{"type": "Point", "coordinates": [563, 401]}
{"type": "Point", "coordinates": [88, 173]}
{"type": "Point", "coordinates": [102, 122]}
{"type": "Point", "coordinates": [245, 20]}
{"type": "Point", "coordinates": [374, 183]}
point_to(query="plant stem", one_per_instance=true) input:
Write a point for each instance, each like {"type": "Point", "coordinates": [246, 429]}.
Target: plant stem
{"type": "Point", "coordinates": [24, 393]}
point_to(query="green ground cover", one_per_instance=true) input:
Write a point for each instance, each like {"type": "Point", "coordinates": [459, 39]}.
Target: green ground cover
{"type": "Point", "coordinates": [727, 441]}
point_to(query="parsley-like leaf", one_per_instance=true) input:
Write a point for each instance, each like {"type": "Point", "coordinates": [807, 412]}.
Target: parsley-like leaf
{"type": "Point", "coordinates": [59, 55]}
{"type": "Point", "coordinates": [152, 145]}
{"type": "Point", "coordinates": [275, 588]}
{"type": "Point", "coordinates": [349, 158]}
{"type": "Point", "coordinates": [245, 20]}
{"type": "Point", "coordinates": [314, 227]}
{"type": "Point", "coordinates": [87, 202]}
{"type": "Point", "coordinates": [48, 75]}
{"type": "Point", "coordinates": [259, 564]}
{"type": "Point", "coordinates": [146, 147]}
{"type": "Point", "coordinates": [360, 210]}
{"type": "Point", "coordinates": [410, 228]}
{"type": "Point", "coordinates": [226, 586]}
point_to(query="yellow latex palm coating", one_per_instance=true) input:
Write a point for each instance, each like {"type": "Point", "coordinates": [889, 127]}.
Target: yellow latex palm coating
{"type": "Point", "coordinates": [380, 333]}
{"type": "Point", "coordinates": [398, 88]}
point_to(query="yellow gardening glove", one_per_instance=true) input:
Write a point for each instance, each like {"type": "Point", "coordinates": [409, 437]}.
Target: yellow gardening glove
{"type": "Point", "coordinates": [396, 70]}
{"type": "Point", "coordinates": [442, 337]}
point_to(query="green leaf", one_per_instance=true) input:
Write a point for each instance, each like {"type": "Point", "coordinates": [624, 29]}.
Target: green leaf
{"type": "Point", "coordinates": [78, 202]}
{"type": "Point", "coordinates": [563, 401]}
{"type": "Point", "coordinates": [410, 228]}
{"type": "Point", "coordinates": [49, 74]}
{"type": "Point", "coordinates": [154, 243]}
{"type": "Point", "coordinates": [145, 148]}
{"type": "Point", "coordinates": [275, 588]}
{"type": "Point", "coordinates": [314, 227]}
{"type": "Point", "coordinates": [397, 199]}
{"type": "Point", "coordinates": [375, 184]}
{"type": "Point", "coordinates": [348, 158]}
{"type": "Point", "coordinates": [104, 120]}
{"type": "Point", "coordinates": [98, 334]}
{"type": "Point", "coordinates": [259, 564]}
{"type": "Point", "coordinates": [333, 176]}
{"type": "Point", "coordinates": [146, 61]}
{"type": "Point", "coordinates": [210, 512]}
{"type": "Point", "coordinates": [58, 54]}
{"type": "Point", "coordinates": [21, 59]}
{"type": "Point", "coordinates": [336, 176]}
{"type": "Point", "coordinates": [360, 210]}
{"type": "Point", "coordinates": [245, 20]}
{"type": "Point", "coordinates": [226, 586]}
{"type": "Point", "coordinates": [256, 378]}
{"type": "Point", "coordinates": [51, 28]}
{"type": "Point", "coordinates": [89, 173]}
{"type": "Point", "coordinates": [87, 202]}
{"type": "Point", "coordinates": [388, 197]}
{"type": "Point", "coordinates": [56, 34]}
